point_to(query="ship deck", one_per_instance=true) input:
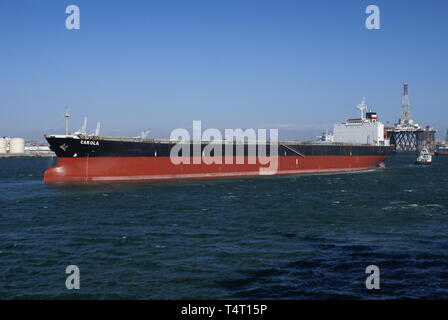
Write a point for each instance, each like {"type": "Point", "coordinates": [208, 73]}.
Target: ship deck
{"type": "Point", "coordinates": [168, 141]}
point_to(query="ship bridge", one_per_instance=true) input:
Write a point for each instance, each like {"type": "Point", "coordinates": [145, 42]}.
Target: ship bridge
{"type": "Point", "coordinates": [364, 130]}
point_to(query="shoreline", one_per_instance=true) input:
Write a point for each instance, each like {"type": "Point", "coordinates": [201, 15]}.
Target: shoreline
{"type": "Point", "coordinates": [28, 155]}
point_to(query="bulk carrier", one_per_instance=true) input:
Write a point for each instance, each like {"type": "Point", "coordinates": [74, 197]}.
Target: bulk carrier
{"type": "Point", "coordinates": [357, 144]}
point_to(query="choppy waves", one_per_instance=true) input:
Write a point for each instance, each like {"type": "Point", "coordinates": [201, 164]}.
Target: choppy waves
{"type": "Point", "coordinates": [296, 237]}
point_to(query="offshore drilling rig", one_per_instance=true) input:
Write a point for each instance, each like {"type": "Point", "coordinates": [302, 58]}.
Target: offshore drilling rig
{"type": "Point", "coordinates": [408, 135]}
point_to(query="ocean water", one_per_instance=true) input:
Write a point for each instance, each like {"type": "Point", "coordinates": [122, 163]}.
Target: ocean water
{"type": "Point", "coordinates": [291, 237]}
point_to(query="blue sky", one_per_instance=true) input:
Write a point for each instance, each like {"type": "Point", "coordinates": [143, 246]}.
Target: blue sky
{"type": "Point", "coordinates": [296, 65]}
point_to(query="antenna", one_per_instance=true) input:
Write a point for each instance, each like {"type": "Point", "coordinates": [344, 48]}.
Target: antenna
{"type": "Point", "coordinates": [66, 116]}
{"type": "Point", "coordinates": [362, 107]}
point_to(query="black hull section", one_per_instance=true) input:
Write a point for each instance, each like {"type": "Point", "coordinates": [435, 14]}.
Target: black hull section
{"type": "Point", "coordinates": [74, 147]}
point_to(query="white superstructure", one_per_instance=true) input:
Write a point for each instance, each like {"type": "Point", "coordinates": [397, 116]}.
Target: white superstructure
{"type": "Point", "coordinates": [365, 130]}
{"type": "Point", "coordinates": [37, 149]}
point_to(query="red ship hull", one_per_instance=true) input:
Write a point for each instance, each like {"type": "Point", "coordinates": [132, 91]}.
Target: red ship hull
{"type": "Point", "coordinates": [87, 169]}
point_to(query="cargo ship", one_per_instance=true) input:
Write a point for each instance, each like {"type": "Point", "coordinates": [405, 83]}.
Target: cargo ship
{"type": "Point", "coordinates": [357, 144]}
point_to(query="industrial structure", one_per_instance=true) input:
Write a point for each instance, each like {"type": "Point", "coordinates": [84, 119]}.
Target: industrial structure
{"type": "Point", "coordinates": [408, 135]}
{"type": "Point", "coordinates": [16, 147]}
{"type": "Point", "coordinates": [12, 146]}
{"type": "Point", "coordinates": [3, 145]}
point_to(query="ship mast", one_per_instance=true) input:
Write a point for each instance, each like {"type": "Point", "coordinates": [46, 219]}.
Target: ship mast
{"type": "Point", "coordinates": [66, 116]}
{"type": "Point", "coordinates": [362, 107]}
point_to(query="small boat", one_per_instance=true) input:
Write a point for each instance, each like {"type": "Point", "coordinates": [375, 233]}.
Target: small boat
{"type": "Point", "coordinates": [442, 150]}
{"type": "Point", "coordinates": [424, 157]}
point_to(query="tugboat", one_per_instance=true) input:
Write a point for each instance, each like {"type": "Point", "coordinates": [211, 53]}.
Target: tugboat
{"type": "Point", "coordinates": [424, 157]}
